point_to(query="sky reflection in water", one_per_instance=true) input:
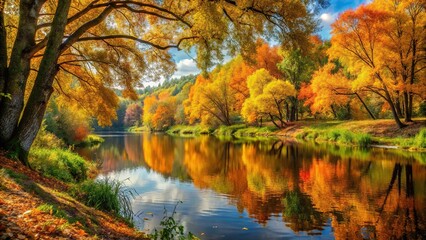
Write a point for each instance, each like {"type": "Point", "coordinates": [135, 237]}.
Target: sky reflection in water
{"type": "Point", "coordinates": [269, 190]}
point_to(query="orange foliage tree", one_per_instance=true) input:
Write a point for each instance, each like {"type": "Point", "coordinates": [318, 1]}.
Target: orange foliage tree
{"type": "Point", "coordinates": [94, 45]}
{"type": "Point", "coordinates": [381, 44]}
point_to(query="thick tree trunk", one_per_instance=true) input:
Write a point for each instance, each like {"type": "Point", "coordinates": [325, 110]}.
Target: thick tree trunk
{"type": "Point", "coordinates": [36, 106]}
{"type": "Point", "coordinates": [388, 99]}
{"type": "Point", "coordinates": [394, 113]}
{"type": "Point", "coordinates": [409, 111]}
{"type": "Point", "coordinates": [293, 109]}
{"type": "Point", "coordinates": [407, 107]}
{"type": "Point", "coordinates": [3, 50]}
{"type": "Point", "coordinates": [19, 68]}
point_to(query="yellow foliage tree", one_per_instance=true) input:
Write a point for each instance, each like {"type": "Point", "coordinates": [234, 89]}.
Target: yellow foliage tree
{"type": "Point", "coordinates": [274, 101]}
{"type": "Point", "coordinates": [255, 83]}
{"type": "Point", "coordinates": [100, 44]}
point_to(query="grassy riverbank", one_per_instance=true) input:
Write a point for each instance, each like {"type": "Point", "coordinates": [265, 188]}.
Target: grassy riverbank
{"type": "Point", "coordinates": [353, 133]}
{"type": "Point", "coordinates": [59, 200]}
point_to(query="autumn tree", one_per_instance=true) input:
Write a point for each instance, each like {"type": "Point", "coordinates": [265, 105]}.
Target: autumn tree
{"type": "Point", "coordinates": [101, 44]}
{"type": "Point", "coordinates": [269, 97]}
{"type": "Point", "coordinates": [213, 100]}
{"type": "Point", "coordinates": [297, 68]}
{"type": "Point", "coordinates": [67, 121]}
{"type": "Point", "coordinates": [255, 83]}
{"type": "Point", "coordinates": [381, 44]}
{"type": "Point", "coordinates": [133, 115]}
{"type": "Point", "coordinates": [330, 89]}
{"type": "Point", "coordinates": [274, 101]}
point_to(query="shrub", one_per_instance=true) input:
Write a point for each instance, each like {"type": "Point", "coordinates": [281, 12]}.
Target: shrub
{"type": "Point", "coordinates": [334, 135]}
{"type": "Point", "coordinates": [59, 163]}
{"type": "Point", "coordinates": [363, 140]}
{"type": "Point", "coordinates": [91, 140]}
{"type": "Point", "coordinates": [346, 137]}
{"type": "Point", "coordinates": [46, 139]}
{"type": "Point", "coordinates": [228, 130]}
{"type": "Point", "coordinates": [171, 229]}
{"type": "Point", "coordinates": [420, 139]}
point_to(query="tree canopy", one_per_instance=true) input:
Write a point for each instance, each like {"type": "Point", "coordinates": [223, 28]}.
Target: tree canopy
{"type": "Point", "coordinates": [84, 48]}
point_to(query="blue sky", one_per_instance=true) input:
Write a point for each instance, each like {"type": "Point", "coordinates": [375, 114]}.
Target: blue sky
{"type": "Point", "coordinates": [185, 65]}
{"type": "Point", "coordinates": [327, 16]}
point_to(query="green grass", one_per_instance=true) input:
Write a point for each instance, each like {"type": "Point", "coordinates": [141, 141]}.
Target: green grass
{"type": "Point", "coordinates": [228, 130]}
{"type": "Point", "coordinates": [91, 140]}
{"type": "Point", "coordinates": [139, 129]}
{"type": "Point", "coordinates": [53, 210]}
{"type": "Point", "coordinates": [182, 130]}
{"type": "Point", "coordinates": [418, 142]}
{"type": "Point", "coordinates": [420, 139]}
{"type": "Point", "coordinates": [254, 131]}
{"type": "Point", "coordinates": [106, 195]}
{"type": "Point", "coordinates": [340, 136]}
{"type": "Point", "coordinates": [61, 164]}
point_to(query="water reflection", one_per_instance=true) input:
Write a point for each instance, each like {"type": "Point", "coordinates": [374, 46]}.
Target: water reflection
{"type": "Point", "coordinates": [274, 189]}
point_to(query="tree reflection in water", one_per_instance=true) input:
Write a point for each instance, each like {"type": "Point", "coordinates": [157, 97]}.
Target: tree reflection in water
{"type": "Point", "coordinates": [370, 194]}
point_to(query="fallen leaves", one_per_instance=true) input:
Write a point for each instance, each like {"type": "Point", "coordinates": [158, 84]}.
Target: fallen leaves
{"type": "Point", "coordinates": [20, 218]}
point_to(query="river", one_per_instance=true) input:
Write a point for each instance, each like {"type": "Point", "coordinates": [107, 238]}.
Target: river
{"type": "Point", "coordinates": [270, 189]}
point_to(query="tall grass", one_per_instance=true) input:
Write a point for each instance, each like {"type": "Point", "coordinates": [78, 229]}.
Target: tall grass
{"type": "Point", "coordinates": [182, 130]}
{"type": "Point", "coordinates": [106, 195]}
{"type": "Point", "coordinates": [420, 139]}
{"type": "Point", "coordinates": [61, 164]}
{"type": "Point", "coordinates": [171, 229]}
{"type": "Point", "coordinates": [340, 136]}
{"type": "Point", "coordinates": [228, 130]}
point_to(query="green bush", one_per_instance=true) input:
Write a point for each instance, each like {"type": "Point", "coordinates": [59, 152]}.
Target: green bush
{"type": "Point", "coordinates": [59, 163]}
{"type": "Point", "coordinates": [253, 131]}
{"type": "Point", "coordinates": [363, 140]}
{"type": "Point", "coordinates": [346, 137]}
{"type": "Point", "coordinates": [91, 140]}
{"type": "Point", "coordinates": [183, 130]}
{"type": "Point", "coordinates": [420, 139]}
{"type": "Point", "coordinates": [334, 135]}
{"type": "Point", "coordinates": [228, 130]}
{"type": "Point", "coordinates": [106, 195]}
{"type": "Point", "coordinates": [46, 139]}
{"type": "Point", "coordinates": [341, 136]}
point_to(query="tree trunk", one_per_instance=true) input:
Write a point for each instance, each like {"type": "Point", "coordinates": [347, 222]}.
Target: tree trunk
{"type": "Point", "coordinates": [398, 105]}
{"type": "Point", "coordinates": [36, 106]}
{"type": "Point", "coordinates": [293, 109]}
{"type": "Point", "coordinates": [394, 113]}
{"type": "Point", "coordinates": [388, 98]}
{"type": "Point", "coordinates": [334, 111]}
{"type": "Point", "coordinates": [407, 107]}
{"type": "Point", "coordinates": [273, 121]}
{"type": "Point", "coordinates": [3, 50]}
{"type": "Point", "coordinates": [366, 107]}
{"type": "Point", "coordinates": [19, 68]}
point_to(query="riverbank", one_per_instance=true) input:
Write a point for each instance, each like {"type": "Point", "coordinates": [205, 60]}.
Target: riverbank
{"type": "Point", "coordinates": [33, 206]}
{"type": "Point", "coordinates": [382, 133]}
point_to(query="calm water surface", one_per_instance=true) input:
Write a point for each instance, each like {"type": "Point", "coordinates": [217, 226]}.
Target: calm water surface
{"type": "Point", "coordinates": [269, 189]}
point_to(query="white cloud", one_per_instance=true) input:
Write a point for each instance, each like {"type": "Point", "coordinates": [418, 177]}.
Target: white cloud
{"type": "Point", "coordinates": [328, 18]}
{"type": "Point", "coordinates": [186, 67]}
